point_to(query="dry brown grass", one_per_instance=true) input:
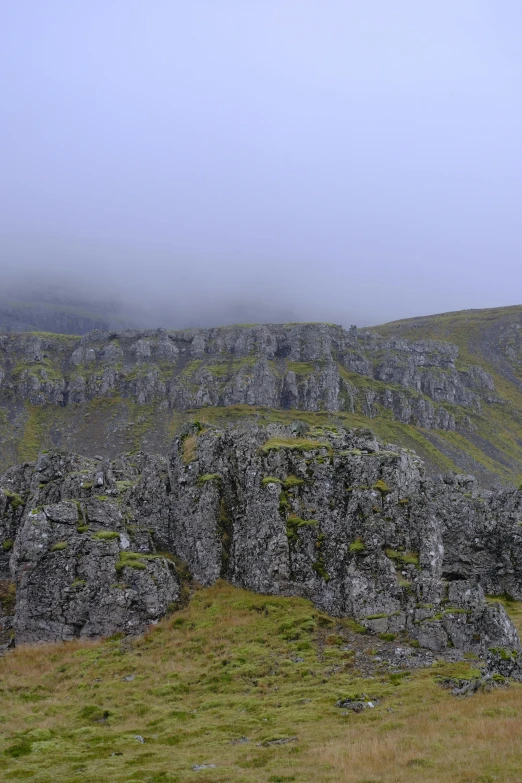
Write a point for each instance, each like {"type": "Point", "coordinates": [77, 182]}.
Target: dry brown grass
{"type": "Point", "coordinates": [228, 666]}
{"type": "Point", "coordinates": [190, 445]}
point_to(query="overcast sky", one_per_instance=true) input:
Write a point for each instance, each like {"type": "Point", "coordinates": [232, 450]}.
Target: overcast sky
{"type": "Point", "coordinates": [343, 160]}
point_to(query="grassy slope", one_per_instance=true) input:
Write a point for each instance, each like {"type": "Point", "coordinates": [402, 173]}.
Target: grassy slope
{"type": "Point", "coordinates": [497, 441]}
{"type": "Point", "coordinates": [115, 425]}
{"type": "Point", "coordinates": [232, 665]}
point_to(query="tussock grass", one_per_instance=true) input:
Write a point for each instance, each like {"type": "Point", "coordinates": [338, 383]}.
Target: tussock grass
{"type": "Point", "coordinates": [234, 665]}
{"type": "Point", "coordinates": [190, 446]}
{"type": "Point", "coordinates": [294, 444]}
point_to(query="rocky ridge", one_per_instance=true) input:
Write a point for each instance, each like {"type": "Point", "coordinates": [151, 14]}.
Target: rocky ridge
{"type": "Point", "coordinates": [97, 546]}
{"type": "Point", "coordinates": [310, 367]}
{"type": "Point", "coordinates": [110, 391]}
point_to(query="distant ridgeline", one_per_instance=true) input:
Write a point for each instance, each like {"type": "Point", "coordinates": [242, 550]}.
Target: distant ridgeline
{"type": "Point", "coordinates": [114, 391]}
{"type": "Point", "coordinates": [25, 318]}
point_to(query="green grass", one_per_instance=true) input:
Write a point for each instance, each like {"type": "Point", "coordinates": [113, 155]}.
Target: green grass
{"type": "Point", "coordinates": [209, 477]}
{"type": "Point", "coordinates": [301, 368]}
{"type": "Point", "coordinates": [236, 665]}
{"type": "Point", "coordinates": [106, 535]}
{"type": "Point", "coordinates": [403, 558]}
{"type": "Point", "coordinates": [128, 559]}
{"type": "Point", "coordinates": [59, 546]}
{"type": "Point", "coordinates": [295, 523]}
{"type": "Point", "coordinates": [13, 498]}
{"type": "Point", "coordinates": [270, 480]}
{"type": "Point", "coordinates": [294, 444]}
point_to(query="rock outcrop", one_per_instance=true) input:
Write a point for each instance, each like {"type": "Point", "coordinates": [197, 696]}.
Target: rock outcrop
{"type": "Point", "coordinates": [79, 568]}
{"type": "Point", "coordinates": [96, 546]}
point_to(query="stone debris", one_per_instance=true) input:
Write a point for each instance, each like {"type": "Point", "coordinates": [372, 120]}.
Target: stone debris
{"type": "Point", "coordinates": [357, 704]}
{"type": "Point", "coordinates": [282, 741]}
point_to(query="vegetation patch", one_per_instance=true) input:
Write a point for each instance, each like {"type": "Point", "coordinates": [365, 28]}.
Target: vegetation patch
{"type": "Point", "coordinates": [301, 368]}
{"type": "Point", "coordinates": [58, 546]}
{"type": "Point", "coordinates": [403, 558]}
{"type": "Point", "coordinates": [294, 444]}
{"type": "Point", "coordinates": [270, 480]}
{"type": "Point", "coordinates": [295, 523]}
{"type": "Point", "coordinates": [14, 500]}
{"type": "Point", "coordinates": [209, 477]}
{"type": "Point", "coordinates": [190, 445]}
{"type": "Point", "coordinates": [106, 535]}
{"type": "Point", "coordinates": [382, 487]}
{"type": "Point", "coordinates": [292, 481]}
{"type": "Point", "coordinates": [123, 486]}
{"type": "Point", "coordinates": [357, 546]}
{"type": "Point", "coordinates": [128, 559]}
{"type": "Point", "coordinates": [319, 565]}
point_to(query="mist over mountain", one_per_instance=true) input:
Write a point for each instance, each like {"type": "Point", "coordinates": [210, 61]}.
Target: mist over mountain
{"type": "Point", "coordinates": [60, 303]}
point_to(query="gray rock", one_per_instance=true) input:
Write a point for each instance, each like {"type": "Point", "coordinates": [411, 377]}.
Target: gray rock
{"type": "Point", "coordinates": [336, 517]}
{"type": "Point", "coordinates": [307, 366]}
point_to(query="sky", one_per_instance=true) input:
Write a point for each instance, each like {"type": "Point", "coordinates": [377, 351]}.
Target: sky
{"type": "Point", "coordinates": [216, 161]}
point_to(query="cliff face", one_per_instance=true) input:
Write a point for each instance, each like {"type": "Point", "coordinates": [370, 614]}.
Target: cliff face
{"type": "Point", "coordinates": [309, 367]}
{"type": "Point", "coordinates": [133, 387]}
{"type": "Point", "coordinates": [97, 546]}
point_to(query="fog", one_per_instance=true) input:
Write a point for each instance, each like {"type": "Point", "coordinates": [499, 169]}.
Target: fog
{"type": "Point", "coordinates": [217, 161]}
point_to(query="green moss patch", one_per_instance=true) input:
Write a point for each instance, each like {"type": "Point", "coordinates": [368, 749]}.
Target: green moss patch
{"type": "Point", "coordinates": [403, 558]}
{"type": "Point", "coordinates": [294, 444]}
{"type": "Point", "coordinates": [106, 535]}
{"type": "Point", "coordinates": [295, 523]}
{"type": "Point", "coordinates": [14, 500]}
{"type": "Point", "coordinates": [270, 480]}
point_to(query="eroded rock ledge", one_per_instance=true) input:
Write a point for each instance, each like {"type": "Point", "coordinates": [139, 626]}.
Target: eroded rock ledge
{"type": "Point", "coordinates": [98, 546]}
{"type": "Point", "coordinates": [310, 367]}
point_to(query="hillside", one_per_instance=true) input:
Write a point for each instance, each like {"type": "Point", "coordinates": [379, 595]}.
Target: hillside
{"type": "Point", "coordinates": [429, 388]}
{"type": "Point", "coordinates": [249, 684]}
{"type": "Point", "coordinates": [490, 339]}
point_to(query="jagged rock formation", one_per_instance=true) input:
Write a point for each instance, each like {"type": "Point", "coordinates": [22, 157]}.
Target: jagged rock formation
{"type": "Point", "coordinates": [305, 366]}
{"type": "Point", "coordinates": [492, 337]}
{"type": "Point", "coordinates": [52, 387]}
{"type": "Point", "coordinates": [328, 514]}
{"type": "Point", "coordinates": [71, 551]}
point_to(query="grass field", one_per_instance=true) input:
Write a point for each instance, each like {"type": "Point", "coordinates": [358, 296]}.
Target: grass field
{"type": "Point", "coordinates": [247, 683]}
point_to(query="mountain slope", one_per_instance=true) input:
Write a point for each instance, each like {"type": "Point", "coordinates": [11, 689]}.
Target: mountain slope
{"type": "Point", "coordinates": [490, 339]}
